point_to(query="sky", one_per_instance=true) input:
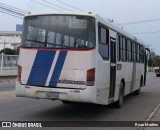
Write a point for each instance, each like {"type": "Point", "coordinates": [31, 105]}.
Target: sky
{"type": "Point", "coordinates": [121, 11]}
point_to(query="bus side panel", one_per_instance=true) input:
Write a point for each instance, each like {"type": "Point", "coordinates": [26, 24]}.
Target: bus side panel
{"type": "Point", "coordinates": [123, 73]}
{"type": "Point", "coordinates": [139, 73]}
{"type": "Point", "coordinates": [128, 77]}
{"type": "Point", "coordinates": [102, 80]}
{"type": "Point", "coordinates": [131, 73]}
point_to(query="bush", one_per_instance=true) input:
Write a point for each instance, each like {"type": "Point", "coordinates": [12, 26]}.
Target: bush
{"type": "Point", "coordinates": [8, 51]}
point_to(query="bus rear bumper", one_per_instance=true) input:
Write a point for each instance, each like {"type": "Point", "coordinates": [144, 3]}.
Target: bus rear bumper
{"type": "Point", "coordinates": [76, 95]}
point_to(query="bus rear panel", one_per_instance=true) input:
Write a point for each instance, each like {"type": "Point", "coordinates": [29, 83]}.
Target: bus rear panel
{"type": "Point", "coordinates": [57, 58]}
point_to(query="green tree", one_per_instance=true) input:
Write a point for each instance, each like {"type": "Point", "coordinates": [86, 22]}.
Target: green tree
{"type": "Point", "coordinates": [150, 62]}
{"type": "Point", "coordinates": [17, 50]}
{"type": "Point", "coordinates": [156, 59]}
{"type": "Point", "coordinates": [8, 51]}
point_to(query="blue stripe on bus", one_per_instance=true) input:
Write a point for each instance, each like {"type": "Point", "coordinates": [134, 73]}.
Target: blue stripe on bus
{"type": "Point", "coordinates": [133, 76]}
{"type": "Point", "coordinates": [41, 67]}
{"type": "Point", "coordinates": [58, 68]}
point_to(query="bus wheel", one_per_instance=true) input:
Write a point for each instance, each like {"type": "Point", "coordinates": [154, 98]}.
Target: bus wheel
{"type": "Point", "coordinates": [67, 102]}
{"type": "Point", "coordinates": [120, 101]}
{"type": "Point", "coordinates": [137, 92]}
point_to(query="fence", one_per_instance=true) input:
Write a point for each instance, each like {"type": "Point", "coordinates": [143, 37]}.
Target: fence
{"type": "Point", "coordinates": [8, 65]}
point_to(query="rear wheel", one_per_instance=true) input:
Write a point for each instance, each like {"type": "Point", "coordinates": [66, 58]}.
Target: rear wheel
{"type": "Point", "coordinates": [137, 92]}
{"type": "Point", "coordinates": [66, 102]}
{"type": "Point", "coordinates": [120, 101]}
{"type": "Point", "coordinates": [69, 102]}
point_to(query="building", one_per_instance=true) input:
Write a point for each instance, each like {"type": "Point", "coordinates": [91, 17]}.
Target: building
{"type": "Point", "coordinates": [10, 39]}
{"type": "Point", "coordinates": [19, 27]}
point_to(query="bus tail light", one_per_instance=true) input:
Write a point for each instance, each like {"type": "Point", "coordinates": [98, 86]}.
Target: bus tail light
{"type": "Point", "coordinates": [19, 72]}
{"type": "Point", "coordinates": [90, 77]}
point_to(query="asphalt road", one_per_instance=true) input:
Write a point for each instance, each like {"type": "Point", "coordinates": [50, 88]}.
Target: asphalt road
{"type": "Point", "coordinates": [135, 108]}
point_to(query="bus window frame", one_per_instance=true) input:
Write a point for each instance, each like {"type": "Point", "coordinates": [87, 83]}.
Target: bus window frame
{"type": "Point", "coordinates": [100, 25]}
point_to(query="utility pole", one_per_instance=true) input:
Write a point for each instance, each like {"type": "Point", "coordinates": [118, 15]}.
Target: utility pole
{"type": "Point", "coordinates": [4, 42]}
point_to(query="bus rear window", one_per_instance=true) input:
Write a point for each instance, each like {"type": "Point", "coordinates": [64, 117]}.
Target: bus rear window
{"type": "Point", "coordinates": [59, 32]}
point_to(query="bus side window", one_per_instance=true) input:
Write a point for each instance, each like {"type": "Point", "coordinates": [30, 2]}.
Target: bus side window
{"type": "Point", "coordinates": [118, 46]}
{"type": "Point", "coordinates": [124, 49]}
{"type": "Point", "coordinates": [129, 56]}
{"type": "Point", "coordinates": [133, 52]}
{"type": "Point", "coordinates": [141, 54]}
{"type": "Point", "coordinates": [138, 50]}
{"type": "Point", "coordinates": [104, 42]}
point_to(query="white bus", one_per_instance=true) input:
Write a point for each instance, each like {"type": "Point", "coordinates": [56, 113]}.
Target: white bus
{"type": "Point", "coordinates": [76, 57]}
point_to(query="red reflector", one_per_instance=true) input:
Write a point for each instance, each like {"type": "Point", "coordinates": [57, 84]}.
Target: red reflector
{"type": "Point", "coordinates": [76, 91]}
{"type": "Point", "coordinates": [27, 86]}
{"type": "Point", "coordinates": [90, 77]}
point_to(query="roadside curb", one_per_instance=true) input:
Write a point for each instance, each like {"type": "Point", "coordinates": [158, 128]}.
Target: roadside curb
{"type": "Point", "coordinates": [8, 94]}
{"type": "Point", "coordinates": [11, 80]}
{"type": "Point", "coordinates": [151, 117]}
{"type": "Point", "coordinates": [154, 112]}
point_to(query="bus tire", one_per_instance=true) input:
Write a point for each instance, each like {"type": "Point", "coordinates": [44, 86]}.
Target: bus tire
{"type": "Point", "coordinates": [137, 92]}
{"type": "Point", "coordinates": [67, 102]}
{"type": "Point", "coordinates": [120, 101]}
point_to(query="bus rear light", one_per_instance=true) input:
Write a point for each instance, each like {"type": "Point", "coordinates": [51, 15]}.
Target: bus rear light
{"type": "Point", "coordinates": [74, 91]}
{"type": "Point", "coordinates": [19, 72]}
{"type": "Point", "coordinates": [90, 77]}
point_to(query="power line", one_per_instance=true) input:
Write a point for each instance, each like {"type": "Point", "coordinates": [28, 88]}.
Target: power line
{"type": "Point", "coordinates": [10, 10]}
{"type": "Point", "coordinates": [139, 22]}
{"type": "Point", "coordinates": [8, 6]}
{"type": "Point", "coordinates": [55, 5]}
{"type": "Point", "coordinates": [71, 6]}
{"type": "Point", "coordinates": [45, 5]}
{"type": "Point", "coordinates": [13, 11]}
{"type": "Point", "coordinates": [147, 32]}
{"type": "Point", "coordinates": [10, 14]}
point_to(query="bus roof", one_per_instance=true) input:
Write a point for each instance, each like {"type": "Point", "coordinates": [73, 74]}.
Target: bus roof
{"type": "Point", "coordinates": [99, 19]}
{"type": "Point", "coordinates": [118, 29]}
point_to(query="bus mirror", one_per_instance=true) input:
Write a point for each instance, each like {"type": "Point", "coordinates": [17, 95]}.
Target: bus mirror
{"type": "Point", "coordinates": [148, 49]}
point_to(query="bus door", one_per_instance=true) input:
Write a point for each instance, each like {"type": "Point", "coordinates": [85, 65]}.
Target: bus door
{"type": "Point", "coordinates": [112, 68]}
{"type": "Point", "coordinates": [145, 67]}
{"type": "Point", "coordinates": [146, 53]}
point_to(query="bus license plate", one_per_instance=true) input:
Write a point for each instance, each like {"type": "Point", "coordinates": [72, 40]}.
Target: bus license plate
{"type": "Point", "coordinates": [52, 95]}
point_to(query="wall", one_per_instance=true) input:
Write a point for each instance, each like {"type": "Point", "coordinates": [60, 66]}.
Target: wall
{"type": "Point", "coordinates": [11, 39]}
